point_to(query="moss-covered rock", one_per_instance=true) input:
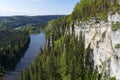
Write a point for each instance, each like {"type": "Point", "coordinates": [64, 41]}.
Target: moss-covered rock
{"type": "Point", "coordinates": [116, 26]}
{"type": "Point", "coordinates": [117, 45]}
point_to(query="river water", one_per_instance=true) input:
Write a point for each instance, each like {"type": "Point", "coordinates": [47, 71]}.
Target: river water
{"type": "Point", "coordinates": [37, 41]}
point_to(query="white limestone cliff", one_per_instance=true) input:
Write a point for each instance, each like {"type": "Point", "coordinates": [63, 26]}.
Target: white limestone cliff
{"type": "Point", "coordinates": [113, 17]}
{"type": "Point", "coordinates": [102, 40]}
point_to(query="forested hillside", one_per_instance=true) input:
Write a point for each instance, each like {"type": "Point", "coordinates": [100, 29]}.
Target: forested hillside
{"type": "Point", "coordinates": [63, 62]}
{"type": "Point", "coordinates": [18, 21]}
{"type": "Point", "coordinates": [12, 46]}
{"type": "Point", "coordinates": [65, 57]}
{"type": "Point", "coordinates": [14, 41]}
{"type": "Point", "coordinates": [86, 9]}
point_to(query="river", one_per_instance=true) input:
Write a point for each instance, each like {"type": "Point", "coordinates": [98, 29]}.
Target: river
{"type": "Point", "coordinates": [37, 41]}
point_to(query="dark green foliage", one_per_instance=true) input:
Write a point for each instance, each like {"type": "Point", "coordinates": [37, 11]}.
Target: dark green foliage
{"type": "Point", "coordinates": [58, 26]}
{"type": "Point", "coordinates": [13, 43]}
{"type": "Point", "coordinates": [33, 28]}
{"type": "Point", "coordinates": [63, 63]}
{"type": "Point", "coordinates": [116, 26]}
{"type": "Point", "coordinates": [86, 9]}
{"type": "Point", "coordinates": [18, 21]}
{"type": "Point", "coordinates": [69, 60]}
{"type": "Point", "coordinates": [2, 27]}
{"type": "Point", "coordinates": [12, 46]}
{"type": "Point", "coordinates": [117, 45]}
{"type": "Point", "coordinates": [112, 78]}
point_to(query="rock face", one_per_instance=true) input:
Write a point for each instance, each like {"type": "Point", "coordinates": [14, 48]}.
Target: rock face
{"type": "Point", "coordinates": [50, 41]}
{"type": "Point", "coordinates": [102, 41]}
{"type": "Point", "coordinates": [119, 1]}
{"type": "Point", "coordinates": [113, 17]}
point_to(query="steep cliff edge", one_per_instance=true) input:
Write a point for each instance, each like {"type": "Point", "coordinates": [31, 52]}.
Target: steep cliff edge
{"type": "Point", "coordinates": [102, 40]}
{"type": "Point", "coordinates": [86, 44]}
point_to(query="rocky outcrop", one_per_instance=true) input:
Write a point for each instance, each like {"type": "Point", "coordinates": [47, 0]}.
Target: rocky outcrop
{"type": "Point", "coordinates": [50, 41]}
{"type": "Point", "coordinates": [113, 17]}
{"type": "Point", "coordinates": [102, 41]}
{"type": "Point", "coordinates": [119, 1]}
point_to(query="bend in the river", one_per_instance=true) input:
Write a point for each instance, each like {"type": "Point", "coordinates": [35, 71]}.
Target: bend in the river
{"type": "Point", "coordinates": [37, 41]}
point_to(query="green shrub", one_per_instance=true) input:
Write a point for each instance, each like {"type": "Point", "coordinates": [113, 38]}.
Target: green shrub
{"type": "Point", "coordinates": [117, 45]}
{"type": "Point", "coordinates": [113, 78]}
{"type": "Point", "coordinates": [116, 26]}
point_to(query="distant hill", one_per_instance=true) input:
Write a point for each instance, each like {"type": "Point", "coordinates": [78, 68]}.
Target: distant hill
{"type": "Point", "coordinates": [18, 21]}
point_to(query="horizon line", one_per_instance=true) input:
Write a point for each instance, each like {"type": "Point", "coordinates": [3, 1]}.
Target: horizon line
{"type": "Point", "coordinates": [33, 15]}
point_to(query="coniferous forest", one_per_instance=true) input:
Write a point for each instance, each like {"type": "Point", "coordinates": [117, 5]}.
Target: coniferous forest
{"type": "Point", "coordinates": [12, 47]}
{"type": "Point", "coordinates": [65, 57]}
{"type": "Point", "coordinates": [66, 61]}
{"type": "Point", "coordinates": [15, 38]}
{"type": "Point", "coordinates": [86, 9]}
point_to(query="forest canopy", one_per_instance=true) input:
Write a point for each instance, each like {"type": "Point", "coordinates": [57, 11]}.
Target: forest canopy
{"type": "Point", "coordinates": [86, 9]}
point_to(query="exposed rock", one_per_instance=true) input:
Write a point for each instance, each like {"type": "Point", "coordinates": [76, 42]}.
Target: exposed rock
{"type": "Point", "coordinates": [102, 41]}
{"type": "Point", "coordinates": [50, 41]}
{"type": "Point", "coordinates": [113, 17]}
{"type": "Point", "coordinates": [119, 1]}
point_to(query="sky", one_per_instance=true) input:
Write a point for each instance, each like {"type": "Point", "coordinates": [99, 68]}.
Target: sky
{"type": "Point", "coordinates": [36, 7]}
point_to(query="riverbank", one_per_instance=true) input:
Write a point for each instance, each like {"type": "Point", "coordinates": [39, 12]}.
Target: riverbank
{"type": "Point", "coordinates": [23, 50]}
{"type": "Point", "coordinates": [37, 41]}
{"type": "Point", "coordinates": [13, 44]}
